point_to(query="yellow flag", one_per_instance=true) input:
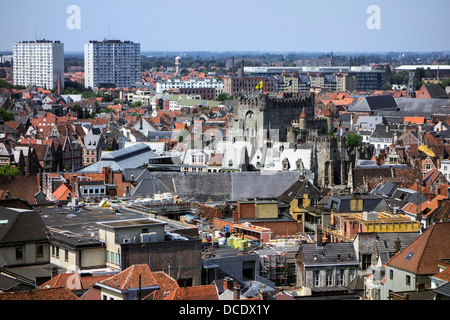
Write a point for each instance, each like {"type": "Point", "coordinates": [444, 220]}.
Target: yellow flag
{"type": "Point", "coordinates": [259, 86]}
{"type": "Point", "coordinates": [424, 148]}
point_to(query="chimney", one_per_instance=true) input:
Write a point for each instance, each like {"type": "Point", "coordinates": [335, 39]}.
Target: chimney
{"type": "Point", "coordinates": [397, 245]}
{"type": "Point", "coordinates": [319, 236]}
{"type": "Point", "coordinates": [263, 292]}
{"type": "Point", "coordinates": [228, 283]}
{"type": "Point", "coordinates": [236, 292]}
{"type": "Point", "coordinates": [235, 214]}
{"type": "Point", "coordinates": [54, 272]}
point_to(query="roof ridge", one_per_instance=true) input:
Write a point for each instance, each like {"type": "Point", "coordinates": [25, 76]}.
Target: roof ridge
{"type": "Point", "coordinates": [130, 272]}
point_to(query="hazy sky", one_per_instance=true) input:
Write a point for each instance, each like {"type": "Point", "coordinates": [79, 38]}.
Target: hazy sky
{"type": "Point", "coordinates": [233, 25]}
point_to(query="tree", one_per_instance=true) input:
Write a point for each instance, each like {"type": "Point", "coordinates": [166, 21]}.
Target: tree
{"type": "Point", "coordinates": [7, 170]}
{"type": "Point", "coordinates": [419, 74]}
{"type": "Point", "coordinates": [353, 141]}
{"type": "Point", "coordinates": [6, 115]}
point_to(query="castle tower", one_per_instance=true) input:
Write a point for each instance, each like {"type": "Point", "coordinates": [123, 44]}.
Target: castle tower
{"type": "Point", "coordinates": [329, 116]}
{"type": "Point", "coordinates": [303, 120]}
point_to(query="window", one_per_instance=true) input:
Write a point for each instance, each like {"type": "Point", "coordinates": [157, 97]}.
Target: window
{"type": "Point", "coordinates": [351, 275]}
{"type": "Point", "coordinates": [329, 278]}
{"type": "Point", "coordinates": [107, 256]}
{"type": "Point", "coordinates": [408, 280]}
{"type": "Point", "coordinates": [366, 261]}
{"type": "Point", "coordinates": [391, 274]}
{"type": "Point", "coordinates": [40, 251]}
{"type": "Point", "coordinates": [19, 253]}
{"type": "Point", "coordinates": [340, 277]}
{"type": "Point", "coordinates": [316, 277]}
{"type": "Point", "coordinates": [66, 255]}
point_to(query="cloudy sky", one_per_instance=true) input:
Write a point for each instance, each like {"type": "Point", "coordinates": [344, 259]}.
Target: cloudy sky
{"type": "Point", "coordinates": [233, 25]}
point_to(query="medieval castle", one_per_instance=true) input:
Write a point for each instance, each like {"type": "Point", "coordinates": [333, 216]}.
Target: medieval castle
{"type": "Point", "coordinates": [262, 120]}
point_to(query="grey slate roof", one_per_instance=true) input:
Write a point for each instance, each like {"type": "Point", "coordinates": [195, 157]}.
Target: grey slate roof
{"type": "Point", "coordinates": [298, 189]}
{"type": "Point", "coordinates": [231, 186]}
{"type": "Point", "coordinates": [374, 103]}
{"type": "Point", "coordinates": [402, 196]}
{"type": "Point", "coordinates": [21, 226]}
{"type": "Point", "coordinates": [387, 189]}
{"type": "Point", "coordinates": [148, 188]}
{"type": "Point", "coordinates": [417, 108]}
{"type": "Point", "coordinates": [131, 157]}
{"type": "Point", "coordinates": [328, 253]}
{"type": "Point", "coordinates": [443, 290]}
{"type": "Point", "coordinates": [370, 203]}
{"type": "Point", "coordinates": [386, 243]}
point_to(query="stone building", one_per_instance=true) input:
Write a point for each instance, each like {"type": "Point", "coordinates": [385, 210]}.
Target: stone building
{"type": "Point", "coordinates": [261, 119]}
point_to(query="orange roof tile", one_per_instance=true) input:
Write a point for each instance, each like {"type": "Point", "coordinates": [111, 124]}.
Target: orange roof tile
{"type": "Point", "coordinates": [62, 193]}
{"type": "Point", "coordinates": [421, 255]}
{"type": "Point", "coordinates": [129, 278]}
{"type": "Point", "coordinates": [40, 294]}
{"type": "Point", "coordinates": [207, 292]}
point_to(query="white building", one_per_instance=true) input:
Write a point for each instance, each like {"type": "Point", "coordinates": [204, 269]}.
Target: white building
{"type": "Point", "coordinates": [445, 168]}
{"type": "Point", "coordinates": [112, 63]}
{"type": "Point", "coordinates": [162, 86]}
{"type": "Point", "coordinates": [7, 58]}
{"type": "Point", "coordinates": [38, 63]}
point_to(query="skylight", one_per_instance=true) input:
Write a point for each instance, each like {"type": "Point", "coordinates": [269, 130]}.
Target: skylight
{"type": "Point", "coordinates": [409, 256]}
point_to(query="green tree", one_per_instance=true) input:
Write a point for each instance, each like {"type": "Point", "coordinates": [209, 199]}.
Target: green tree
{"type": "Point", "coordinates": [7, 170]}
{"type": "Point", "coordinates": [6, 115]}
{"type": "Point", "coordinates": [353, 141]}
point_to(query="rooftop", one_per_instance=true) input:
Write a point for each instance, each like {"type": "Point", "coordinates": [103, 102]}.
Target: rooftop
{"type": "Point", "coordinates": [130, 223]}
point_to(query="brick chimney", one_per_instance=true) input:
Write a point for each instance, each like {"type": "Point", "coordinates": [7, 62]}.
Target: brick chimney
{"type": "Point", "coordinates": [235, 214]}
{"type": "Point", "coordinates": [397, 245]}
{"type": "Point", "coordinates": [319, 236]}
{"type": "Point", "coordinates": [228, 283]}
{"type": "Point", "coordinates": [237, 292]}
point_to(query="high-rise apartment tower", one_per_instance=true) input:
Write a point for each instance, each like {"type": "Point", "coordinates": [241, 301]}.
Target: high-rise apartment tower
{"type": "Point", "coordinates": [39, 63]}
{"type": "Point", "coordinates": [112, 63]}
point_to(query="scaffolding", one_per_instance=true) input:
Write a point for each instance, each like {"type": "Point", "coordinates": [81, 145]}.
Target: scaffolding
{"type": "Point", "coordinates": [278, 264]}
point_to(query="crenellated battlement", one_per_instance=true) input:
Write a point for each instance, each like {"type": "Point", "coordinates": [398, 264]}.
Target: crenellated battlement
{"type": "Point", "coordinates": [311, 123]}
{"type": "Point", "coordinates": [266, 102]}
{"type": "Point", "coordinates": [325, 139]}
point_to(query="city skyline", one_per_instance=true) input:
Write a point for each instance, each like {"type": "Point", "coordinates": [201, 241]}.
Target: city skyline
{"type": "Point", "coordinates": [199, 25]}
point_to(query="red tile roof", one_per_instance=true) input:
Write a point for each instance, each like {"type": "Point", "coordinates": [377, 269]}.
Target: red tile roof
{"type": "Point", "coordinates": [73, 281]}
{"type": "Point", "coordinates": [129, 278]}
{"type": "Point", "coordinates": [62, 193]}
{"type": "Point", "coordinates": [421, 255]}
{"type": "Point", "coordinates": [40, 294]}
{"type": "Point", "coordinates": [207, 292]}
